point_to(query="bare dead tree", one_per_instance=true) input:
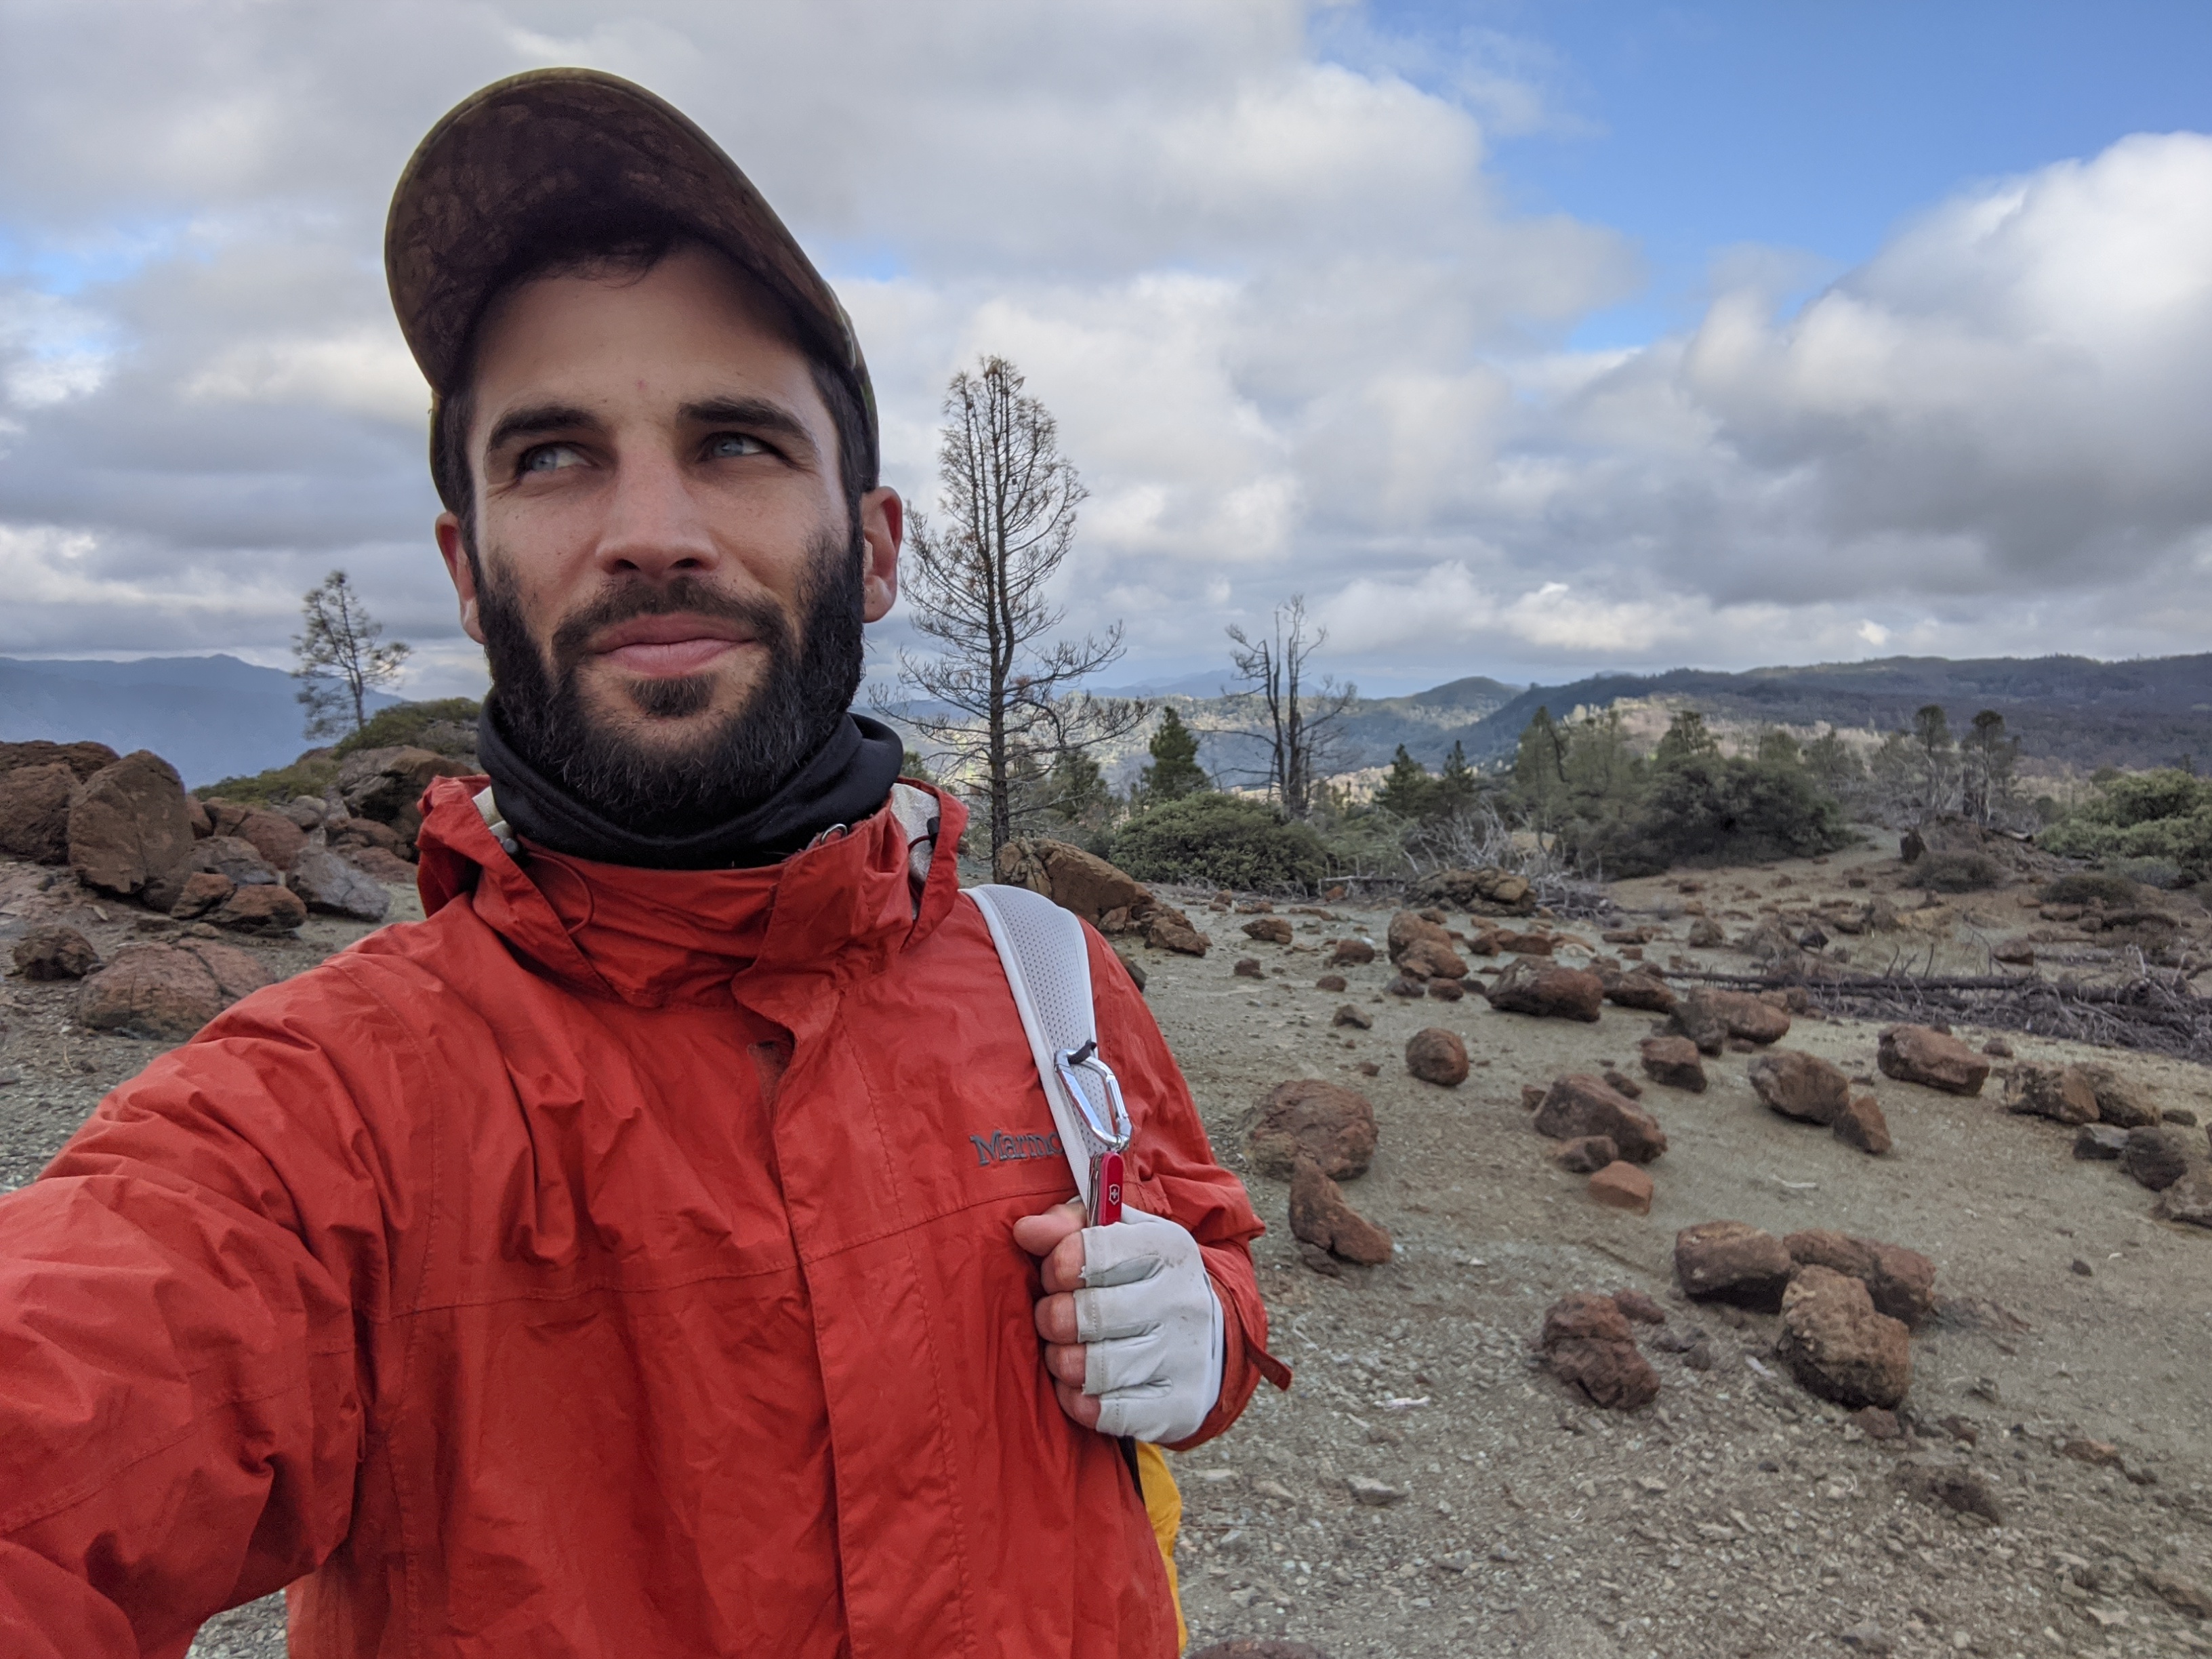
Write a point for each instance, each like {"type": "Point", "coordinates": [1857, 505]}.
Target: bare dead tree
{"type": "Point", "coordinates": [342, 657]}
{"type": "Point", "coordinates": [998, 696]}
{"type": "Point", "coordinates": [1300, 718]}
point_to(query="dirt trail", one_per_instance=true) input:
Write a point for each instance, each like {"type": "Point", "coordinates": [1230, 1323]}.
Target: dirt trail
{"type": "Point", "coordinates": [1737, 1515]}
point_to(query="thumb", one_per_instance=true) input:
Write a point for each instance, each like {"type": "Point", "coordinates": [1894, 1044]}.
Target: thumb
{"type": "Point", "coordinates": [1039, 1233]}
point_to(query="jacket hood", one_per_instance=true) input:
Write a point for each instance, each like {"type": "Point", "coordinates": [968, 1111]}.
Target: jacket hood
{"type": "Point", "coordinates": [839, 909]}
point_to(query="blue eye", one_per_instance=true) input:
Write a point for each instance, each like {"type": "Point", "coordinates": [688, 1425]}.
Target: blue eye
{"type": "Point", "coordinates": [547, 458]}
{"type": "Point", "coordinates": [727, 446]}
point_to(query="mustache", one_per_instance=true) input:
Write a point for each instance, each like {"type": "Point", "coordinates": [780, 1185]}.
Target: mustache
{"type": "Point", "coordinates": [684, 596]}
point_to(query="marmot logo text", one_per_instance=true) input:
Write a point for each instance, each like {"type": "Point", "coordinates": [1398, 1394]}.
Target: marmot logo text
{"type": "Point", "coordinates": [1003, 1148]}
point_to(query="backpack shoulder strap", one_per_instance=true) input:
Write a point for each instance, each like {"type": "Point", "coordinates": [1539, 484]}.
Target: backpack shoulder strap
{"type": "Point", "coordinates": [1047, 966]}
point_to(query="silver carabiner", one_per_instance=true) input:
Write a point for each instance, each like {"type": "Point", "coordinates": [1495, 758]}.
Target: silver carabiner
{"type": "Point", "coordinates": [1114, 1133]}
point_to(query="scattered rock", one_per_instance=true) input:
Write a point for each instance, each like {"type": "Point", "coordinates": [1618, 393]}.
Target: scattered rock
{"type": "Point", "coordinates": [1408, 927]}
{"type": "Point", "coordinates": [1320, 1216]}
{"type": "Point", "coordinates": [164, 992]}
{"type": "Point", "coordinates": [1489, 888]}
{"type": "Point", "coordinates": [1958, 1489]}
{"type": "Point", "coordinates": [1902, 1282]}
{"type": "Point", "coordinates": [1350, 953]}
{"type": "Point", "coordinates": [54, 952]}
{"type": "Point", "coordinates": [263, 909]}
{"type": "Point", "coordinates": [2060, 1093]}
{"type": "Point", "coordinates": [1733, 1262]}
{"type": "Point", "coordinates": [2189, 1201]}
{"type": "Point", "coordinates": [1638, 1309]}
{"type": "Point", "coordinates": [1333, 1125]}
{"type": "Point", "coordinates": [1936, 1059]}
{"type": "Point", "coordinates": [1585, 1154]}
{"type": "Point", "coordinates": [1673, 1061]}
{"type": "Point", "coordinates": [1330, 982]}
{"type": "Point", "coordinates": [1800, 1085]}
{"type": "Point", "coordinates": [1838, 1346]}
{"type": "Point", "coordinates": [2097, 1453]}
{"type": "Point", "coordinates": [1369, 1068]}
{"type": "Point", "coordinates": [2185, 1594]}
{"type": "Point", "coordinates": [1710, 1017]}
{"type": "Point", "coordinates": [1868, 1637]}
{"type": "Point", "coordinates": [1546, 990]}
{"type": "Point", "coordinates": [1643, 989]}
{"type": "Point", "coordinates": [1403, 987]}
{"type": "Point", "coordinates": [1130, 965]}
{"type": "Point", "coordinates": [1436, 1056]}
{"type": "Point", "coordinates": [1860, 1124]}
{"type": "Point", "coordinates": [1269, 930]}
{"type": "Point", "coordinates": [386, 785]}
{"type": "Point", "coordinates": [2101, 1142]}
{"type": "Point", "coordinates": [1249, 968]}
{"type": "Point", "coordinates": [2118, 1100]}
{"type": "Point", "coordinates": [1359, 1018]}
{"type": "Point", "coordinates": [1877, 1423]}
{"type": "Point", "coordinates": [276, 837]}
{"type": "Point", "coordinates": [393, 870]}
{"type": "Point", "coordinates": [1705, 934]}
{"type": "Point", "coordinates": [1997, 1048]}
{"type": "Point", "coordinates": [1524, 945]}
{"type": "Point", "coordinates": [34, 810]}
{"type": "Point", "coordinates": [129, 834]}
{"type": "Point", "coordinates": [1578, 1106]}
{"type": "Point", "coordinates": [204, 889]}
{"type": "Point", "coordinates": [1621, 1084]}
{"type": "Point", "coordinates": [1374, 1494]}
{"type": "Point", "coordinates": [1622, 1186]}
{"type": "Point", "coordinates": [1587, 1344]}
{"type": "Point", "coordinates": [236, 859]}
{"type": "Point", "coordinates": [2181, 1116]}
{"type": "Point", "coordinates": [1446, 990]}
{"type": "Point", "coordinates": [2158, 1155]}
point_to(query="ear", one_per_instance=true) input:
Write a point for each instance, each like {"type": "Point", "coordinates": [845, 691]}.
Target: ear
{"type": "Point", "coordinates": [882, 528]}
{"type": "Point", "coordinates": [462, 571]}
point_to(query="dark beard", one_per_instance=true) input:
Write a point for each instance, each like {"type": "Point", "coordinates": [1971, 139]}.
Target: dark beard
{"type": "Point", "coordinates": [805, 689]}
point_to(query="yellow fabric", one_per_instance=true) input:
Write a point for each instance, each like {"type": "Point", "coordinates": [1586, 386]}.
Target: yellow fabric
{"type": "Point", "coordinates": [1164, 1508]}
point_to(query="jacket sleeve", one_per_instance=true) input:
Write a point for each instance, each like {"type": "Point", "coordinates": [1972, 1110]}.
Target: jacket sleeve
{"type": "Point", "coordinates": [1173, 1157]}
{"type": "Point", "coordinates": [180, 1417]}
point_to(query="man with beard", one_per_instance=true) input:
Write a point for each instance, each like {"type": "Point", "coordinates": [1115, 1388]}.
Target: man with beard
{"type": "Point", "coordinates": [649, 1252]}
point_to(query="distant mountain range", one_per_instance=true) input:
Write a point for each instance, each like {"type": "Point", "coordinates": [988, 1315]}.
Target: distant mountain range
{"type": "Point", "coordinates": [209, 717]}
{"type": "Point", "coordinates": [2069, 712]}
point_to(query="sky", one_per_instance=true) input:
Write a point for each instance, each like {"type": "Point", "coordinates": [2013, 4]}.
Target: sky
{"type": "Point", "coordinates": [1521, 340]}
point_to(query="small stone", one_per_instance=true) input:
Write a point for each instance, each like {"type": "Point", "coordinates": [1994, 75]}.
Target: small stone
{"type": "Point", "coordinates": [1369, 1068]}
{"type": "Point", "coordinates": [2158, 1155]}
{"type": "Point", "coordinates": [1878, 1424]}
{"type": "Point", "coordinates": [1902, 1282]}
{"type": "Point", "coordinates": [1333, 1125]}
{"type": "Point", "coordinates": [1622, 1186]}
{"type": "Point", "coordinates": [1320, 1215]}
{"type": "Point", "coordinates": [1997, 1048]}
{"type": "Point", "coordinates": [1269, 930]}
{"type": "Point", "coordinates": [2081, 1268]}
{"type": "Point", "coordinates": [204, 890]}
{"type": "Point", "coordinates": [1437, 1056]}
{"type": "Point", "coordinates": [1546, 990]}
{"type": "Point", "coordinates": [1958, 1489]}
{"type": "Point", "coordinates": [2100, 1142]}
{"type": "Point", "coordinates": [1319, 1260]}
{"type": "Point", "coordinates": [1403, 987]}
{"type": "Point", "coordinates": [1248, 967]}
{"type": "Point", "coordinates": [1674, 1062]}
{"type": "Point", "coordinates": [1586, 1342]}
{"type": "Point", "coordinates": [1868, 1638]}
{"type": "Point", "coordinates": [1532, 1096]}
{"type": "Point", "coordinates": [332, 886]}
{"type": "Point", "coordinates": [1638, 1308]}
{"type": "Point", "coordinates": [1585, 1154]}
{"type": "Point", "coordinates": [1330, 982]}
{"type": "Point", "coordinates": [260, 909]}
{"type": "Point", "coordinates": [2119, 1101]}
{"type": "Point", "coordinates": [1350, 953]}
{"type": "Point", "coordinates": [2189, 1201]}
{"type": "Point", "coordinates": [1838, 1346]}
{"type": "Point", "coordinates": [1358, 1019]}
{"type": "Point", "coordinates": [1936, 1059]}
{"type": "Point", "coordinates": [2182, 1115]}
{"type": "Point", "coordinates": [1621, 1084]}
{"type": "Point", "coordinates": [1800, 1085]}
{"type": "Point", "coordinates": [1643, 989]}
{"type": "Point", "coordinates": [1731, 1262]}
{"type": "Point", "coordinates": [1860, 1124]}
{"type": "Point", "coordinates": [2097, 1453]}
{"type": "Point", "coordinates": [2184, 1595]}
{"type": "Point", "coordinates": [55, 952]}
{"type": "Point", "coordinates": [1711, 1018]}
{"type": "Point", "coordinates": [1373, 1493]}
{"type": "Point", "coordinates": [1705, 934]}
{"type": "Point", "coordinates": [1446, 990]}
{"type": "Point", "coordinates": [2060, 1093]}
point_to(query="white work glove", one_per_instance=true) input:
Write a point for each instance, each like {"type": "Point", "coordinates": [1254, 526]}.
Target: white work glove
{"type": "Point", "coordinates": [1151, 1327]}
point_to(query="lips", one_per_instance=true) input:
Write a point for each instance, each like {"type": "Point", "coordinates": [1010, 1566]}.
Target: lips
{"type": "Point", "coordinates": [667, 646]}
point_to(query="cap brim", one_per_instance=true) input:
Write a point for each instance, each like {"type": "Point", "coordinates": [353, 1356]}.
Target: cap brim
{"type": "Point", "coordinates": [560, 148]}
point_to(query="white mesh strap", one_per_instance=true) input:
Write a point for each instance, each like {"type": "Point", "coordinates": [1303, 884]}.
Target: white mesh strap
{"type": "Point", "coordinates": [1049, 968]}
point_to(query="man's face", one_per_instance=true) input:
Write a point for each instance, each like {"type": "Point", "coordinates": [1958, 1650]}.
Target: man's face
{"type": "Point", "coordinates": [662, 534]}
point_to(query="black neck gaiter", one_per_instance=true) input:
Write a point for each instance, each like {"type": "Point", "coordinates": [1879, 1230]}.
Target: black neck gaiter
{"type": "Point", "coordinates": [846, 779]}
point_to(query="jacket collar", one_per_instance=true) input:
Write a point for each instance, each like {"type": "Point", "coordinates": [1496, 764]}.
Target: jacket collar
{"type": "Point", "coordinates": [773, 938]}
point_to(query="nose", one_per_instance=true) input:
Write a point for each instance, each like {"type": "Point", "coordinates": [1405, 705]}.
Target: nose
{"type": "Point", "coordinates": [653, 527]}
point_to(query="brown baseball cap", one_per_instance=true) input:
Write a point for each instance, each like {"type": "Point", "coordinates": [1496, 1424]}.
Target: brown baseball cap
{"type": "Point", "coordinates": [556, 150]}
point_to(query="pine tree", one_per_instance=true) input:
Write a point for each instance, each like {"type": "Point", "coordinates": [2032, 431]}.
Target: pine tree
{"type": "Point", "coordinates": [1175, 771]}
{"type": "Point", "coordinates": [1456, 785]}
{"type": "Point", "coordinates": [1407, 791]}
{"type": "Point", "coordinates": [340, 661]}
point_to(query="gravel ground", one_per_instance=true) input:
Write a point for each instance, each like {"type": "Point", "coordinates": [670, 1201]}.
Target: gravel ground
{"type": "Point", "coordinates": [1736, 1515]}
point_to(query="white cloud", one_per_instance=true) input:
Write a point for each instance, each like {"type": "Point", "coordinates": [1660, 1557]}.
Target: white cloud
{"type": "Point", "coordinates": [1294, 337]}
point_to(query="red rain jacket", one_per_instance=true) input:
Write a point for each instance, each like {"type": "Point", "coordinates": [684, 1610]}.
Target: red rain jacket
{"type": "Point", "coordinates": [617, 1262]}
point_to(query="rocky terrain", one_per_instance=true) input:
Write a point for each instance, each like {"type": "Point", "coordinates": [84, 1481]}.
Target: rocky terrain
{"type": "Point", "coordinates": [2008, 1451]}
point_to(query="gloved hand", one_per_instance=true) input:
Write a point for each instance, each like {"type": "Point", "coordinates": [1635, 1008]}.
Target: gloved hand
{"type": "Point", "coordinates": [1132, 1328]}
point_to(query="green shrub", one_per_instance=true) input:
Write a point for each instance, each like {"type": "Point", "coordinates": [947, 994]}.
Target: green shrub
{"type": "Point", "coordinates": [403, 723]}
{"type": "Point", "coordinates": [1704, 808]}
{"type": "Point", "coordinates": [1229, 840]}
{"type": "Point", "coordinates": [2153, 873]}
{"type": "Point", "coordinates": [1958, 872]}
{"type": "Point", "coordinates": [2113, 892]}
{"type": "Point", "coordinates": [310, 774]}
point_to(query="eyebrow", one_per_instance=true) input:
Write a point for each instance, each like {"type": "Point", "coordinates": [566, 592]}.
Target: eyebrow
{"type": "Point", "coordinates": [756, 414]}
{"type": "Point", "coordinates": [536, 422]}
